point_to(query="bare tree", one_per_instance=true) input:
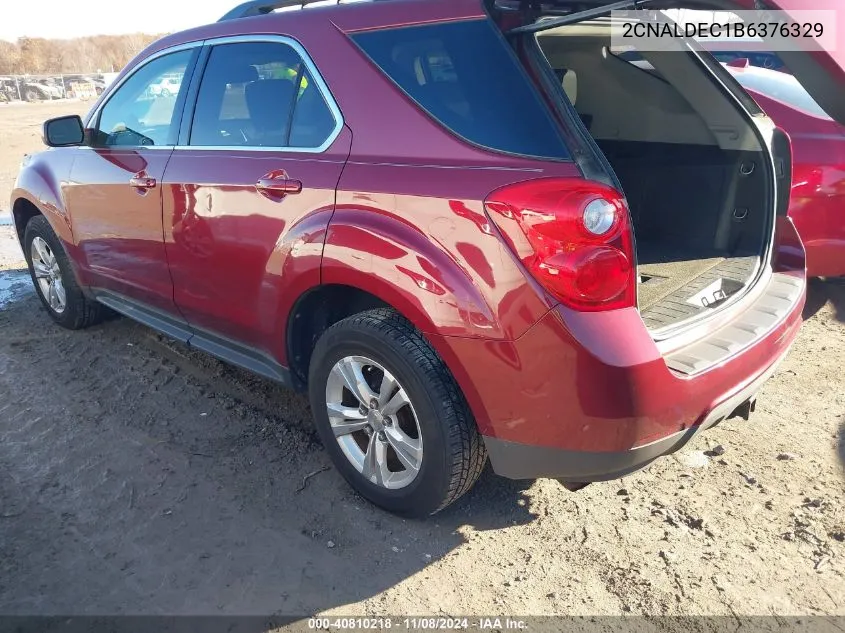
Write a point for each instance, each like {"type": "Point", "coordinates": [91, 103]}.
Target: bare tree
{"type": "Point", "coordinates": [100, 53]}
{"type": "Point", "coordinates": [10, 58]}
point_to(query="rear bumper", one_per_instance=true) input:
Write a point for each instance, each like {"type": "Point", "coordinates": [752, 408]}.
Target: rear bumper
{"type": "Point", "coordinates": [591, 397]}
{"type": "Point", "coordinates": [523, 461]}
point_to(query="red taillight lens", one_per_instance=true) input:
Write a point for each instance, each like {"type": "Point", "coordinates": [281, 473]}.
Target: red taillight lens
{"type": "Point", "coordinates": [558, 227]}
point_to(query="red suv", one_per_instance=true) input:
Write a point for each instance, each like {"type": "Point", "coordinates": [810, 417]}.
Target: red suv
{"type": "Point", "coordinates": [465, 227]}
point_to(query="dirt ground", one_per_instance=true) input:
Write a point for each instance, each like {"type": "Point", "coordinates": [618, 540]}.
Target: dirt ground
{"type": "Point", "coordinates": [138, 477]}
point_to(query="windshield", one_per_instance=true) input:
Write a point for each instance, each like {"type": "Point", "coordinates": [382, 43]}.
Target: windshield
{"type": "Point", "coordinates": [779, 86]}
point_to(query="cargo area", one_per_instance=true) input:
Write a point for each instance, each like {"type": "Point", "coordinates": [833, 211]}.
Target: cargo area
{"type": "Point", "coordinates": [690, 162]}
{"type": "Point", "coordinates": [695, 246]}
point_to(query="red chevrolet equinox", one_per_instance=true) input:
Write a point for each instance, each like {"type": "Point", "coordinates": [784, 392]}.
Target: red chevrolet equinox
{"type": "Point", "coordinates": [468, 229]}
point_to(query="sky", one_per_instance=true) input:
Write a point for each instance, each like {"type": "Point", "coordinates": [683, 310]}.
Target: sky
{"type": "Point", "coordinates": [65, 19]}
{"type": "Point", "coordinates": [75, 18]}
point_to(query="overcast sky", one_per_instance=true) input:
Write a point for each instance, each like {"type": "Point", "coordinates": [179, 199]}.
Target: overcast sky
{"type": "Point", "coordinates": [75, 18]}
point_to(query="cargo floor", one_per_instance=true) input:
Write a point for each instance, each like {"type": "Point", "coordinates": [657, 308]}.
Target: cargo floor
{"type": "Point", "coordinates": [677, 285]}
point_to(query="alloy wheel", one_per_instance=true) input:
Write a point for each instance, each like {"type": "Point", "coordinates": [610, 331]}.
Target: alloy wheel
{"type": "Point", "coordinates": [48, 275]}
{"type": "Point", "coordinates": [374, 422]}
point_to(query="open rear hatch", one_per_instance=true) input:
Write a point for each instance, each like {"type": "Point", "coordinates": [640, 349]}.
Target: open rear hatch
{"type": "Point", "coordinates": [821, 72]}
{"type": "Point", "coordinates": [704, 171]}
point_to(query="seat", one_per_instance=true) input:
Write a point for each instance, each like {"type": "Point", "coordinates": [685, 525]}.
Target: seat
{"type": "Point", "coordinates": [569, 81]}
{"type": "Point", "coordinates": [211, 112]}
{"type": "Point", "coordinates": [269, 102]}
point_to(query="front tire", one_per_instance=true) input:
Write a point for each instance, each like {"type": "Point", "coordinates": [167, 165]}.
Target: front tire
{"type": "Point", "coordinates": [391, 416]}
{"type": "Point", "coordinates": [54, 280]}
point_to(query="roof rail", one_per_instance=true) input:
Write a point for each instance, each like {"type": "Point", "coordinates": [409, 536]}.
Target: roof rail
{"type": "Point", "coordinates": [262, 7]}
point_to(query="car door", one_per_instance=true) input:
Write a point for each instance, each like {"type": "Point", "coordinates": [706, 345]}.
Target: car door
{"type": "Point", "coordinates": [114, 194]}
{"type": "Point", "coordinates": [250, 189]}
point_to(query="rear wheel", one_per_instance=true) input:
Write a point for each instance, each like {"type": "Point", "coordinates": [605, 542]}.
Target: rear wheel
{"type": "Point", "coordinates": [391, 416]}
{"type": "Point", "coordinates": [54, 280]}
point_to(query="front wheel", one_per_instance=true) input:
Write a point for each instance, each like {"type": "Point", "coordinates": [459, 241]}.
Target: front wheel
{"type": "Point", "coordinates": [54, 280]}
{"type": "Point", "coordinates": [391, 416]}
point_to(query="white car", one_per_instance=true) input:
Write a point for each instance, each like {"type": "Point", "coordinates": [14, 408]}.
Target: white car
{"type": "Point", "coordinates": [167, 87]}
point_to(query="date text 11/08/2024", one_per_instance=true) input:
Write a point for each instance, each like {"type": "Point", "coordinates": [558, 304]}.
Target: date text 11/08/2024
{"type": "Point", "coordinates": [495, 623]}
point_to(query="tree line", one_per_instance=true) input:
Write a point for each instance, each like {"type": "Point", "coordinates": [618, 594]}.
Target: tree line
{"type": "Point", "coordinates": [99, 53]}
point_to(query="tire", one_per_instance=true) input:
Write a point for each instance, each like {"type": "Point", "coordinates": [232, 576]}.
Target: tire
{"type": "Point", "coordinates": [31, 95]}
{"type": "Point", "coordinates": [450, 449]}
{"type": "Point", "coordinates": [78, 311]}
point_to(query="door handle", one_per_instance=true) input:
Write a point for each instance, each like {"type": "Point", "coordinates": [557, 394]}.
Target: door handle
{"type": "Point", "coordinates": [279, 185]}
{"type": "Point", "coordinates": [142, 183]}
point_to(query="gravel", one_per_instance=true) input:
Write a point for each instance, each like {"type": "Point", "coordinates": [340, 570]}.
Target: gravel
{"type": "Point", "coordinates": [116, 496]}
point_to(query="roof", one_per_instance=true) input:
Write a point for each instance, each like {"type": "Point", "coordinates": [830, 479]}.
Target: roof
{"type": "Point", "coordinates": [255, 8]}
{"type": "Point", "coordinates": [348, 16]}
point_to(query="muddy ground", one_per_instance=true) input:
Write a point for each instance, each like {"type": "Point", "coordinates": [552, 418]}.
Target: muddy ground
{"type": "Point", "coordinates": [137, 476]}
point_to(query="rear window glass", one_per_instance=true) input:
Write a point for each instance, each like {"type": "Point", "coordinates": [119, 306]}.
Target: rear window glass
{"type": "Point", "coordinates": [464, 75]}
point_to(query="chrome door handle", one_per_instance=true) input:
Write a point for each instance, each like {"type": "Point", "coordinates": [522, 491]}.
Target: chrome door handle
{"type": "Point", "coordinates": [279, 185]}
{"type": "Point", "coordinates": [142, 183]}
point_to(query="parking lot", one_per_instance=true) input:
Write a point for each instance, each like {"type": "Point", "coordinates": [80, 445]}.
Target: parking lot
{"type": "Point", "coordinates": [137, 476]}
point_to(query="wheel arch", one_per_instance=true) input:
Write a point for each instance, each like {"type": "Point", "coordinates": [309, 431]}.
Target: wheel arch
{"type": "Point", "coordinates": [23, 210]}
{"type": "Point", "coordinates": [386, 259]}
{"type": "Point", "coordinates": [25, 207]}
{"type": "Point", "coordinates": [387, 256]}
{"type": "Point", "coordinates": [320, 307]}
{"type": "Point", "coordinates": [315, 311]}
{"type": "Point", "coordinates": [35, 196]}
{"type": "Point", "coordinates": [39, 188]}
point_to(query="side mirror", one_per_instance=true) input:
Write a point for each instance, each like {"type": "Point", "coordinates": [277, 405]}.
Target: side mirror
{"type": "Point", "coordinates": [64, 131]}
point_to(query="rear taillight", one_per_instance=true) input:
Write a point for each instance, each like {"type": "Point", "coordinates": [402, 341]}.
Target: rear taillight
{"type": "Point", "coordinates": [573, 236]}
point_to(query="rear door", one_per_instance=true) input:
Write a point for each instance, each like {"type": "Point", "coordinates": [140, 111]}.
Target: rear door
{"type": "Point", "coordinates": [251, 187]}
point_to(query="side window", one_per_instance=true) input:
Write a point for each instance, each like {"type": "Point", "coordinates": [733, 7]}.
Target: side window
{"type": "Point", "coordinates": [259, 94]}
{"type": "Point", "coordinates": [466, 78]}
{"type": "Point", "coordinates": [141, 111]}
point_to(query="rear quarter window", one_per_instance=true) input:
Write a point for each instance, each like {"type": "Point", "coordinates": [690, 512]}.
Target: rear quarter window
{"type": "Point", "coordinates": [464, 75]}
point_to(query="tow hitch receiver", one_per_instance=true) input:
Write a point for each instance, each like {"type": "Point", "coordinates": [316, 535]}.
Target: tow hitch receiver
{"type": "Point", "coordinates": [744, 410]}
